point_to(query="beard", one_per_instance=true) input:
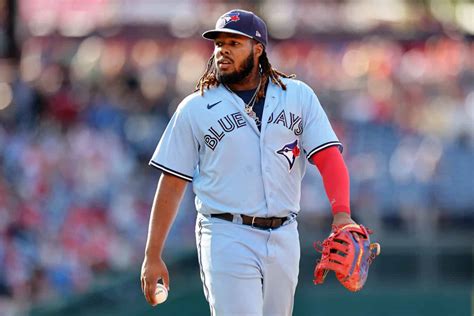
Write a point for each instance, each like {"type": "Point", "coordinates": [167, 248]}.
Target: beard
{"type": "Point", "coordinates": [240, 74]}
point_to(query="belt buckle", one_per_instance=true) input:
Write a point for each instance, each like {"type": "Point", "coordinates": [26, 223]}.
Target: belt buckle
{"type": "Point", "coordinates": [253, 221]}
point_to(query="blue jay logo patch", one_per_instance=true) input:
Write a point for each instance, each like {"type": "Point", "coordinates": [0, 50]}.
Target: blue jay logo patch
{"type": "Point", "coordinates": [290, 151]}
{"type": "Point", "coordinates": [226, 19]}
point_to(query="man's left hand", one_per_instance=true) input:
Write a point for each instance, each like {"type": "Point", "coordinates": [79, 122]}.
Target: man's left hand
{"type": "Point", "coordinates": [341, 219]}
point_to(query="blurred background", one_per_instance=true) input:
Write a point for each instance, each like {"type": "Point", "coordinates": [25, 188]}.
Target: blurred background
{"type": "Point", "coordinates": [88, 86]}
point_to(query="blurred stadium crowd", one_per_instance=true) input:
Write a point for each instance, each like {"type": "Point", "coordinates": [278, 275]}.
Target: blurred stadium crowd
{"type": "Point", "coordinates": [80, 117]}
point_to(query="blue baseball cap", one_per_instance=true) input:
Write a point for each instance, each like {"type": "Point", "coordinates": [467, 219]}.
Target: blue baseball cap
{"type": "Point", "coordinates": [240, 22]}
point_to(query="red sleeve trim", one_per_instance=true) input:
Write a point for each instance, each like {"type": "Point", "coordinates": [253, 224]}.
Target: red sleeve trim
{"type": "Point", "coordinates": [333, 169]}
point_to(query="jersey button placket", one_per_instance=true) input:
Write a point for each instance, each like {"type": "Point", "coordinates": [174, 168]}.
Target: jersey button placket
{"type": "Point", "coordinates": [265, 152]}
{"type": "Point", "coordinates": [267, 183]}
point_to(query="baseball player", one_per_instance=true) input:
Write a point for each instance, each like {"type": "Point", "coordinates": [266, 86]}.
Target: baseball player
{"type": "Point", "coordinates": [243, 139]}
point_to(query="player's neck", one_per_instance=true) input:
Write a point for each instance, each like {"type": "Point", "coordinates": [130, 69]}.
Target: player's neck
{"type": "Point", "coordinates": [248, 83]}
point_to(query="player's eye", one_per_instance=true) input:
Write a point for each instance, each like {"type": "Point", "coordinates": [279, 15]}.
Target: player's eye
{"type": "Point", "coordinates": [235, 43]}
{"type": "Point", "coordinates": [218, 44]}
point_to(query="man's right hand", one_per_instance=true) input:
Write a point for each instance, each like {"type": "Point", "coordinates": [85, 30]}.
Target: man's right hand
{"type": "Point", "coordinates": [169, 192]}
{"type": "Point", "coordinates": [153, 269]}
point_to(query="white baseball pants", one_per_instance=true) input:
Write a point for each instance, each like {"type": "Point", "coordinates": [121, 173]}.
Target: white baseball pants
{"type": "Point", "coordinates": [245, 270]}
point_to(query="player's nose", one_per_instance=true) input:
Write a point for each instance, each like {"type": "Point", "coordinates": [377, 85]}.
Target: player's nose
{"type": "Point", "coordinates": [223, 50]}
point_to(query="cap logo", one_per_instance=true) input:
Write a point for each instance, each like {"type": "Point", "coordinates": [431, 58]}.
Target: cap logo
{"type": "Point", "coordinates": [258, 34]}
{"type": "Point", "coordinates": [226, 19]}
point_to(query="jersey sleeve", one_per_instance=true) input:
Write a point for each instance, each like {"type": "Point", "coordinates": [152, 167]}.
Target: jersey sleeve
{"type": "Point", "coordinates": [317, 130]}
{"type": "Point", "coordinates": [177, 151]}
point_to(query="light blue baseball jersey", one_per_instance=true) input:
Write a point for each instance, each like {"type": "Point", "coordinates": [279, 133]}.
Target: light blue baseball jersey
{"type": "Point", "coordinates": [234, 167]}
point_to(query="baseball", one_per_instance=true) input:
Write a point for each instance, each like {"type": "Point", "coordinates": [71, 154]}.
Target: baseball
{"type": "Point", "coordinates": [161, 293]}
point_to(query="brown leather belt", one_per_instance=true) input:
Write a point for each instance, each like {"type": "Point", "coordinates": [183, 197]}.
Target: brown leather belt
{"type": "Point", "coordinates": [259, 222]}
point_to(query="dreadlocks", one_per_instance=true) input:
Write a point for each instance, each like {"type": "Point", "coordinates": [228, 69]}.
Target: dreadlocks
{"type": "Point", "coordinates": [209, 78]}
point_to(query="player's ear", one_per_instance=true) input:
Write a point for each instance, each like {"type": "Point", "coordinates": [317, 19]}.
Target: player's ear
{"type": "Point", "coordinates": [258, 49]}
